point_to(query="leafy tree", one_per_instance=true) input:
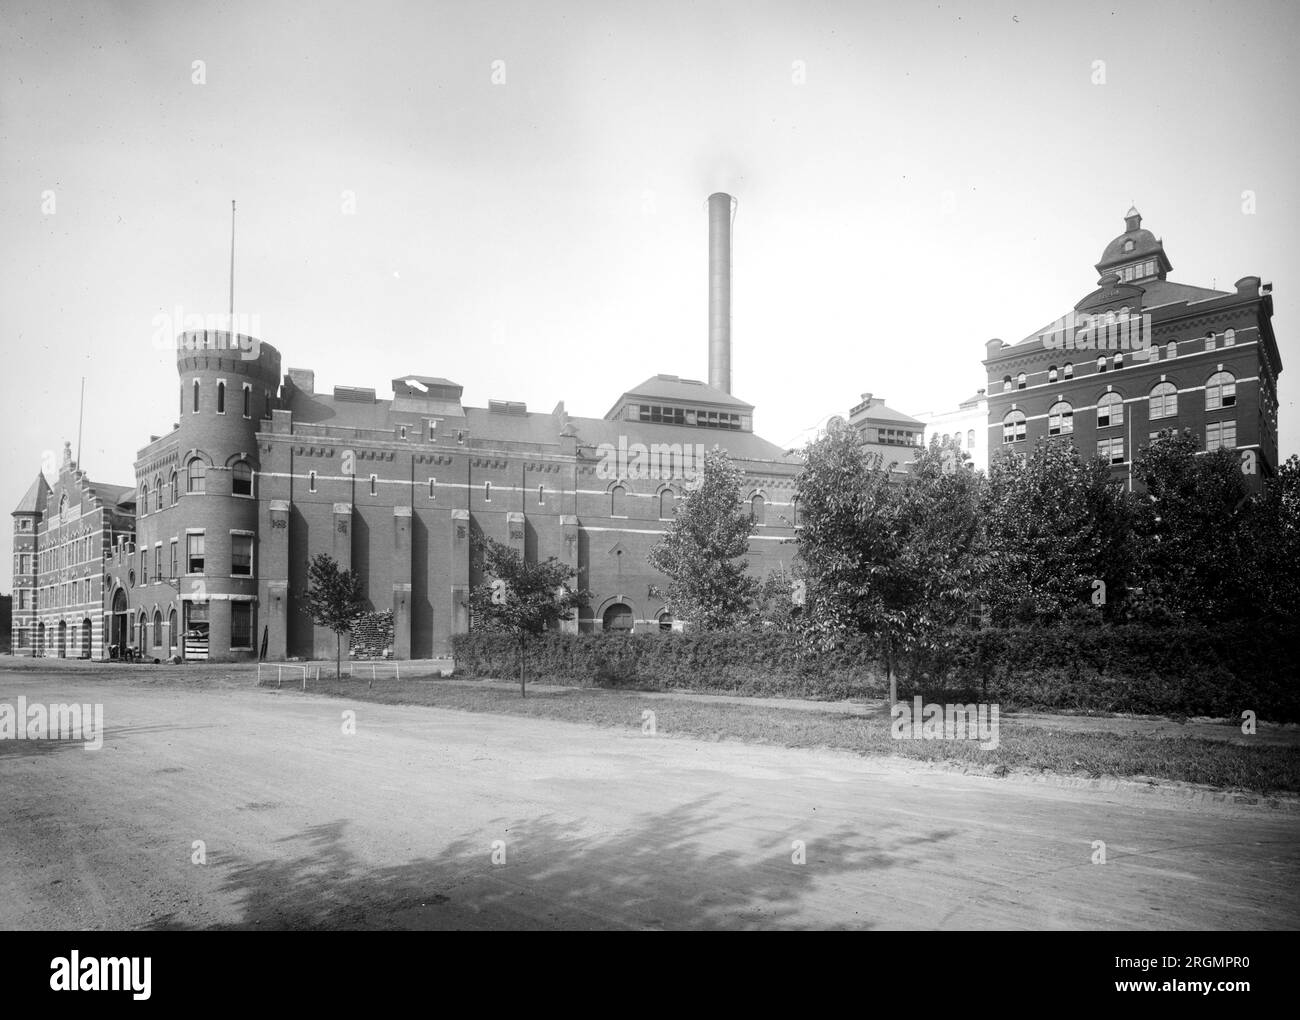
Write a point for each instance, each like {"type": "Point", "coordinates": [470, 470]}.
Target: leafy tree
{"type": "Point", "coordinates": [774, 603]}
{"type": "Point", "coordinates": [333, 600]}
{"type": "Point", "coordinates": [1271, 550]}
{"type": "Point", "coordinates": [1193, 529]}
{"type": "Point", "coordinates": [521, 598]}
{"type": "Point", "coordinates": [897, 558]}
{"type": "Point", "coordinates": [703, 554]}
{"type": "Point", "coordinates": [1056, 524]}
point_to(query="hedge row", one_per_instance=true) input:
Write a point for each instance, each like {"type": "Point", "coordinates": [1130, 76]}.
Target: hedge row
{"type": "Point", "coordinates": [1183, 671]}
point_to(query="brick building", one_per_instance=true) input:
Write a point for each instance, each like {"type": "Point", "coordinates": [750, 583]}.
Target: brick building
{"type": "Point", "coordinates": [207, 555]}
{"type": "Point", "coordinates": [1141, 354]}
{"type": "Point", "coordinates": [63, 537]}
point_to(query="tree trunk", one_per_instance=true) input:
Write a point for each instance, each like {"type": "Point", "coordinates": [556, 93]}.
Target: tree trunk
{"type": "Point", "coordinates": [338, 655]}
{"type": "Point", "coordinates": [523, 691]}
{"type": "Point", "coordinates": [893, 679]}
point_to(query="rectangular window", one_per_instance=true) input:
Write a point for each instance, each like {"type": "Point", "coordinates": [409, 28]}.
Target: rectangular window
{"type": "Point", "coordinates": [401, 432]}
{"type": "Point", "coordinates": [1111, 450]}
{"type": "Point", "coordinates": [374, 482]}
{"type": "Point", "coordinates": [194, 553]}
{"type": "Point", "coordinates": [144, 566]}
{"type": "Point", "coordinates": [241, 625]}
{"type": "Point", "coordinates": [1221, 435]}
{"type": "Point", "coordinates": [432, 483]}
{"type": "Point", "coordinates": [173, 562]}
{"type": "Point", "coordinates": [241, 555]}
{"type": "Point", "coordinates": [157, 562]}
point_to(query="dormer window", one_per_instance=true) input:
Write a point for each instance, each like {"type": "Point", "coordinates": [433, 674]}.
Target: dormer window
{"type": "Point", "coordinates": [1129, 245]}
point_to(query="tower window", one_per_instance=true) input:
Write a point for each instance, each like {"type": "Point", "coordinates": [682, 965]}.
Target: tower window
{"type": "Point", "coordinates": [311, 481]}
{"type": "Point", "coordinates": [1163, 401]}
{"type": "Point", "coordinates": [241, 479]}
{"type": "Point", "coordinates": [196, 395]}
{"type": "Point", "coordinates": [1110, 410]}
{"type": "Point", "coordinates": [198, 472]}
{"type": "Point", "coordinates": [374, 484]}
{"type": "Point", "coordinates": [1068, 370]}
{"type": "Point", "coordinates": [1220, 391]}
{"type": "Point", "coordinates": [248, 401]}
{"type": "Point", "coordinates": [1020, 381]}
{"type": "Point", "coordinates": [1060, 419]}
{"type": "Point", "coordinates": [221, 397]}
{"type": "Point", "coordinates": [1013, 427]}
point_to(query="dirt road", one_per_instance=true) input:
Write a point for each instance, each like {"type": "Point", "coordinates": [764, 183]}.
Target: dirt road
{"type": "Point", "coordinates": [397, 825]}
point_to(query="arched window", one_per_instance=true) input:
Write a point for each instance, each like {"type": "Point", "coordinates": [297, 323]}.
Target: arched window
{"type": "Point", "coordinates": [198, 472]}
{"type": "Point", "coordinates": [157, 629]}
{"type": "Point", "coordinates": [1051, 373]}
{"type": "Point", "coordinates": [541, 495]}
{"type": "Point", "coordinates": [1117, 362]}
{"type": "Point", "coordinates": [157, 492]}
{"type": "Point", "coordinates": [1068, 370]}
{"type": "Point", "coordinates": [665, 621]}
{"type": "Point", "coordinates": [618, 501]}
{"type": "Point", "coordinates": [1163, 402]}
{"type": "Point", "coordinates": [1013, 427]}
{"type": "Point", "coordinates": [176, 489]}
{"type": "Point", "coordinates": [144, 498]}
{"type": "Point", "coordinates": [1101, 363]}
{"type": "Point", "coordinates": [171, 630]}
{"type": "Point", "coordinates": [311, 481]}
{"type": "Point", "coordinates": [1229, 338]}
{"type": "Point", "coordinates": [196, 394]}
{"type": "Point", "coordinates": [1110, 410]}
{"type": "Point", "coordinates": [970, 439]}
{"type": "Point", "coordinates": [142, 630]}
{"type": "Point", "coordinates": [1020, 381]}
{"type": "Point", "coordinates": [946, 437]}
{"type": "Point", "coordinates": [667, 503]}
{"type": "Point", "coordinates": [1060, 419]}
{"type": "Point", "coordinates": [1171, 349]}
{"type": "Point", "coordinates": [1209, 341]}
{"type": "Point", "coordinates": [617, 618]}
{"type": "Point", "coordinates": [758, 509]}
{"type": "Point", "coordinates": [221, 398]}
{"type": "Point", "coordinates": [1006, 383]}
{"type": "Point", "coordinates": [241, 478]}
{"type": "Point", "coordinates": [1220, 391]}
{"type": "Point", "coordinates": [487, 492]}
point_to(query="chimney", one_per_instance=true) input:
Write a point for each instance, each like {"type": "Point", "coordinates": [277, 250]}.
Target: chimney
{"type": "Point", "coordinates": [722, 212]}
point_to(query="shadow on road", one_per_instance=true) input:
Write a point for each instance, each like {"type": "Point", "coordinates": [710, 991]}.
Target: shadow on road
{"type": "Point", "coordinates": [665, 872]}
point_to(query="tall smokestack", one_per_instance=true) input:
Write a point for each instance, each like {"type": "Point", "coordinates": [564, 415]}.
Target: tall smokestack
{"type": "Point", "coordinates": [722, 212]}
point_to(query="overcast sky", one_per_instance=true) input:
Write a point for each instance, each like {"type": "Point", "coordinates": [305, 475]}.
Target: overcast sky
{"type": "Point", "coordinates": [912, 180]}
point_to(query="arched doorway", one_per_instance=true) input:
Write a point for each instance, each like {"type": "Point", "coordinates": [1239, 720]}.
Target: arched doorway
{"type": "Point", "coordinates": [63, 639]}
{"type": "Point", "coordinates": [617, 619]}
{"type": "Point", "coordinates": [85, 639]}
{"type": "Point", "coordinates": [40, 640]}
{"type": "Point", "coordinates": [171, 632]}
{"type": "Point", "coordinates": [119, 628]}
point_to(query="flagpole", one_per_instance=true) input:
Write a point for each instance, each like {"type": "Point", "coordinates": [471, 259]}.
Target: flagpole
{"type": "Point", "coordinates": [232, 265]}
{"type": "Point", "coordinates": [81, 414]}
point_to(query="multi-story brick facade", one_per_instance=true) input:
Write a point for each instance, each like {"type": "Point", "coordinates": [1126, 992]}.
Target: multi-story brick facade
{"type": "Point", "coordinates": [63, 534]}
{"type": "Point", "coordinates": [206, 557]}
{"type": "Point", "coordinates": [1139, 355]}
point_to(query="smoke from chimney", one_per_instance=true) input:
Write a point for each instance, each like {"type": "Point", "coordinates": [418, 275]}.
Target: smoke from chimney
{"type": "Point", "coordinates": [722, 211]}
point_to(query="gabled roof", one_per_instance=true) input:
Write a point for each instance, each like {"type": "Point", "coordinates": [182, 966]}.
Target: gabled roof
{"type": "Point", "coordinates": [33, 501]}
{"type": "Point", "coordinates": [671, 389]}
{"type": "Point", "coordinates": [112, 495]}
